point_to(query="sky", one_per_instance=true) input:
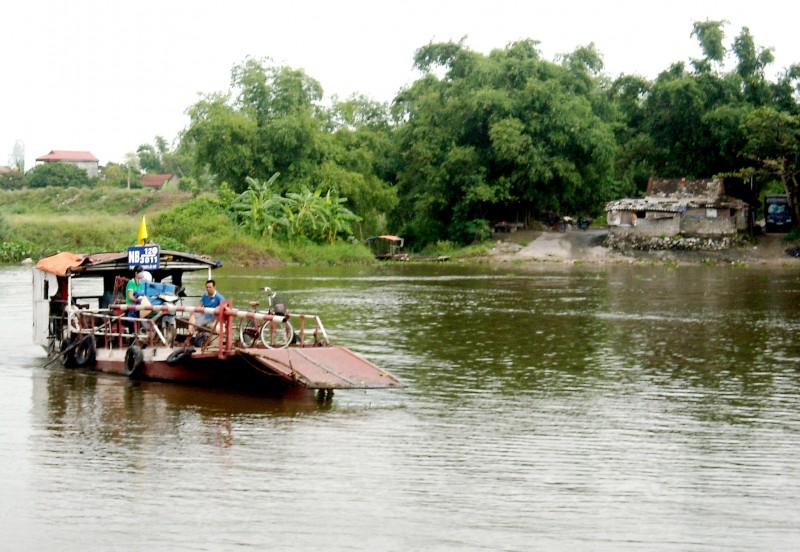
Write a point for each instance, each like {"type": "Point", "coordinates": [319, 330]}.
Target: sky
{"type": "Point", "coordinates": [107, 76]}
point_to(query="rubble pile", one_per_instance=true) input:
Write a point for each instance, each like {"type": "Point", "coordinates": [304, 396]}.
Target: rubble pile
{"type": "Point", "coordinates": [504, 248]}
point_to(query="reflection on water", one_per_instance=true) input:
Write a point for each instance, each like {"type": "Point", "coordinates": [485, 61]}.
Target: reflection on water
{"type": "Point", "coordinates": [565, 408]}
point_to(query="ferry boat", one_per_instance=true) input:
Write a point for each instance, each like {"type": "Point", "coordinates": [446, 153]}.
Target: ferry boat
{"type": "Point", "coordinates": [81, 319]}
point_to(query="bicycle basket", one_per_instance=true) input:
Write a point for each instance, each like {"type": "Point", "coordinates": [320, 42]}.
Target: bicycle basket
{"type": "Point", "coordinates": [279, 305]}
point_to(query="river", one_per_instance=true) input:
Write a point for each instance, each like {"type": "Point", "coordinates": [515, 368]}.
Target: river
{"type": "Point", "coordinates": [559, 408]}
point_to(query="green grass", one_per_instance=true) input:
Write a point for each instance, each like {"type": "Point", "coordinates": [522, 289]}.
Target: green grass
{"type": "Point", "coordinates": [37, 223]}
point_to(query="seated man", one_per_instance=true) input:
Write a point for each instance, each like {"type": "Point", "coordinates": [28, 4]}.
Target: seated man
{"type": "Point", "coordinates": [211, 299]}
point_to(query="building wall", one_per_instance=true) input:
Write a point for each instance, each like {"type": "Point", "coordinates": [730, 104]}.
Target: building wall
{"type": "Point", "coordinates": [699, 222]}
{"type": "Point", "coordinates": [661, 226]}
{"type": "Point", "coordinates": [695, 225]}
{"type": "Point", "coordinates": [91, 167]}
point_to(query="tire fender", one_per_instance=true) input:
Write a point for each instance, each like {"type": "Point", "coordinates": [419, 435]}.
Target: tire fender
{"type": "Point", "coordinates": [85, 352]}
{"type": "Point", "coordinates": [176, 356]}
{"type": "Point", "coordinates": [67, 352]}
{"type": "Point", "coordinates": [134, 361]}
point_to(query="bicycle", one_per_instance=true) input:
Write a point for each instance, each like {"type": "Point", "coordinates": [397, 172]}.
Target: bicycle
{"type": "Point", "coordinates": [273, 333]}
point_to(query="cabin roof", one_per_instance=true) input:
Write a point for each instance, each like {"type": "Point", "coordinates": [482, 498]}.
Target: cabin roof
{"type": "Point", "coordinates": [385, 237]}
{"type": "Point", "coordinates": [65, 263]}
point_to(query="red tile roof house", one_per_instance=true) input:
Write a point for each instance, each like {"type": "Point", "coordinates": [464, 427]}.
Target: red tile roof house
{"type": "Point", "coordinates": [82, 159]}
{"type": "Point", "coordinates": [157, 181]}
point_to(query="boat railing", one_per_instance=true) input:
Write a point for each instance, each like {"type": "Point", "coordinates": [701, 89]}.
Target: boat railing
{"type": "Point", "coordinates": [115, 327]}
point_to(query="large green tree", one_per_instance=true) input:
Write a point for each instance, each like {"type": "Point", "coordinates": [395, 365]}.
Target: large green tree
{"type": "Point", "coordinates": [272, 120]}
{"type": "Point", "coordinates": [689, 121]}
{"type": "Point", "coordinates": [508, 135]}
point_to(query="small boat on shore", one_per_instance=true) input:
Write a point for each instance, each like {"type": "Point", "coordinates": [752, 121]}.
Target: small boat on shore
{"type": "Point", "coordinates": [81, 319]}
{"type": "Point", "coordinates": [387, 248]}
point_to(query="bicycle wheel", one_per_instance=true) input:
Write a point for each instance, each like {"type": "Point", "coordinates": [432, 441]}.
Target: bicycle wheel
{"type": "Point", "coordinates": [277, 335]}
{"type": "Point", "coordinates": [248, 332]}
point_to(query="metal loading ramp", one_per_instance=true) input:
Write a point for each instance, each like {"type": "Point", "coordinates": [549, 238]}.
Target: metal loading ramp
{"type": "Point", "coordinates": [321, 367]}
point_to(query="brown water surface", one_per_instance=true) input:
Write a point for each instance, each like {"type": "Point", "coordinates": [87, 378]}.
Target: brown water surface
{"type": "Point", "coordinates": [566, 408]}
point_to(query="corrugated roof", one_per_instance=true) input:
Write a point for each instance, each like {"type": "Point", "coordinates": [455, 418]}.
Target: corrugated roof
{"type": "Point", "coordinates": [672, 205]}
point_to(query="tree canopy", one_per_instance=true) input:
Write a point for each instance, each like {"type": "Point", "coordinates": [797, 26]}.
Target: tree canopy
{"type": "Point", "coordinates": [475, 139]}
{"type": "Point", "coordinates": [505, 136]}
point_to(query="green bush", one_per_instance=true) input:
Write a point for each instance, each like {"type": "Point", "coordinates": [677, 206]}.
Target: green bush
{"type": "Point", "coordinates": [14, 251]}
{"type": "Point", "coordinates": [199, 223]}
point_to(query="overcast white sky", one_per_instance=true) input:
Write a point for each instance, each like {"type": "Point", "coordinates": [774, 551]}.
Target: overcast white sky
{"type": "Point", "coordinates": [106, 76]}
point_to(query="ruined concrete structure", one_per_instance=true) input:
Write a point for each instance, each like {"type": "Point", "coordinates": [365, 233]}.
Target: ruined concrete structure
{"type": "Point", "coordinates": [683, 207]}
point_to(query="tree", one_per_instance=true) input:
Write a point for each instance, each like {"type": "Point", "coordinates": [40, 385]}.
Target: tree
{"type": "Point", "coordinates": [268, 122]}
{"type": "Point", "coordinates": [114, 175]}
{"type": "Point", "coordinates": [223, 141]}
{"type": "Point", "coordinates": [501, 136]}
{"type": "Point", "coordinates": [774, 143]}
{"type": "Point", "coordinates": [149, 159]}
{"type": "Point", "coordinates": [62, 175]}
{"type": "Point", "coordinates": [132, 163]}
{"type": "Point", "coordinates": [13, 180]}
{"type": "Point", "coordinates": [272, 121]}
{"type": "Point", "coordinates": [259, 209]}
{"type": "Point", "coordinates": [693, 119]}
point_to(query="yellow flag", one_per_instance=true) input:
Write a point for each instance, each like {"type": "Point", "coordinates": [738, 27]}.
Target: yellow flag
{"type": "Point", "coordinates": [142, 232]}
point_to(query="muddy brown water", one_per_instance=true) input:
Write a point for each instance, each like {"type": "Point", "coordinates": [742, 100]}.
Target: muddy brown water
{"type": "Point", "coordinates": [560, 408]}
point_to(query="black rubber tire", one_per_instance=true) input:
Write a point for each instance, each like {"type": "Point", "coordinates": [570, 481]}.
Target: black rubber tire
{"type": "Point", "coordinates": [85, 352]}
{"type": "Point", "coordinates": [176, 356]}
{"type": "Point", "coordinates": [68, 357]}
{"type": "Point", "coordinates": [134, 362]}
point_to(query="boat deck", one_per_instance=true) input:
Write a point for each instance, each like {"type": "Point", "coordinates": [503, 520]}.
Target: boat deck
{"type": "Point", "coordinates": [321, 367]}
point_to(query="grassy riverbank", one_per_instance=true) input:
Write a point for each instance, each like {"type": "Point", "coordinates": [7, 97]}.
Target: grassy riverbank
{"type": "Point", "coordinates": [39, 222]}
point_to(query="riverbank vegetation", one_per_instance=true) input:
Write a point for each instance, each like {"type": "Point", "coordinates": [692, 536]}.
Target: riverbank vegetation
{"type": "Point", "coordinates": [271, 167]}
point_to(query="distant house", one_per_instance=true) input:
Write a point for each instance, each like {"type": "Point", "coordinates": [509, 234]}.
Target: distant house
{"type": "Point", "coordinates": [82, 159]}
{"type": "Point", "coordinates": [679, 206]}
{"type": "Point", "coordinates": [157, 181]}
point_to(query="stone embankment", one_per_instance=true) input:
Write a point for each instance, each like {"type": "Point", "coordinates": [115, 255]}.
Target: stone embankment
{"type": "Point", "coordinates": [666, 243]}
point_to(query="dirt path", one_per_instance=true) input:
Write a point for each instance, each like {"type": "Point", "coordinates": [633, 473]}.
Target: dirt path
{"type": "Point", "coordinates": [576, 246]}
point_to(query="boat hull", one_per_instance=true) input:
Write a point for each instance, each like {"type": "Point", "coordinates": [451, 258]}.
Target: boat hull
{"type": "Point", "coordinates": [309, 367]}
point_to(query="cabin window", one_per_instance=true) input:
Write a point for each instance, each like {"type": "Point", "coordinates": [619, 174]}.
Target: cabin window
{"type": "Point", "coordinates": [87, 291]}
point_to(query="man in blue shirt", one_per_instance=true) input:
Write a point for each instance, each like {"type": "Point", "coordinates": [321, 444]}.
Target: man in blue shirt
{"type": "Point", "coordinates": [210, 300]}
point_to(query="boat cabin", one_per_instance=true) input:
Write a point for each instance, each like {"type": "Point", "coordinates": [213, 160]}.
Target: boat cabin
{"type": "Point", "coordinates": [96, 282]}
{"type": "Point", "coordinates": [387, 247]}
